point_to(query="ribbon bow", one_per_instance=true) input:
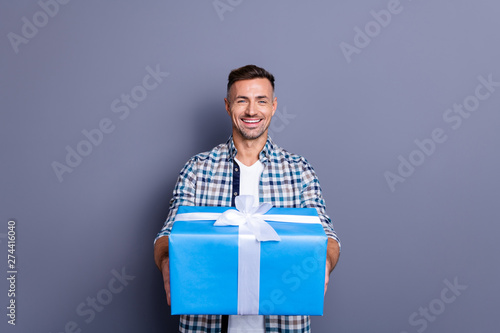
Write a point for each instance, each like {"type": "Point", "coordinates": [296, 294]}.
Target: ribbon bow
{"type": "Point", "coordinates": [250, 216]}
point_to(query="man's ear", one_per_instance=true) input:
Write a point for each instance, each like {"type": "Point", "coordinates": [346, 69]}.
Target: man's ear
{"type": "Point", "coordinates": [226, 102]}
{"type": "Point", "coordinates": [275, 105]}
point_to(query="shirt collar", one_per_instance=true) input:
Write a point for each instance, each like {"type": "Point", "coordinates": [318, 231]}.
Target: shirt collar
{"type": "Point", "coordinates": [231, 149]}
{"type": "Point", "coordinates": [264, 155]}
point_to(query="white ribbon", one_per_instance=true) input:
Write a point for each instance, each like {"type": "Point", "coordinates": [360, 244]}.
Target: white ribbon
{"type": "Point", "coordinates": [250, 216]}
{"type": "Point", "coordinates": [252, 230]}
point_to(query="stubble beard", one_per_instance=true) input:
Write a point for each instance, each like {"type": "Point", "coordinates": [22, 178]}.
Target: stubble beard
{"type": "Point", "coordinates": [252, 135]}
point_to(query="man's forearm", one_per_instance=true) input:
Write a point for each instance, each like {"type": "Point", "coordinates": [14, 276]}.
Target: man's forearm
{"type": "Point", "coordinates": [161, 251]}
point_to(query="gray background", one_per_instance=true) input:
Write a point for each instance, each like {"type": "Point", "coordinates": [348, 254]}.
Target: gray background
{"type": "Point", "coordinates": [351, 116]}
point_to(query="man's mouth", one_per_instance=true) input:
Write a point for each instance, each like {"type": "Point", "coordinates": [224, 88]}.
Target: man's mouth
{"type": "Point", "coordinates": [251, 121]}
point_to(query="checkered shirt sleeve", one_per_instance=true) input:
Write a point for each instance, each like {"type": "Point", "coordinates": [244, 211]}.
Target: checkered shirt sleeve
{"type": "Point", "coordinates": [184, 195]}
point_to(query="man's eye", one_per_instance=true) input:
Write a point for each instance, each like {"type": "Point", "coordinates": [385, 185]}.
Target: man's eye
{"type": "Point", "coordinates": [240, 101]}
{"type": "Point", "coordinates": [263, 102]}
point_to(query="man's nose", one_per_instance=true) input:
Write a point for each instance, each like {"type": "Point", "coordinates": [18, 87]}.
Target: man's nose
{"type": "Point", "coordinates": [251, 109]}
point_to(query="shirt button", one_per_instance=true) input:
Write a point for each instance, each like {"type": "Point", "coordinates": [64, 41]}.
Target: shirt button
{"type": "Point", "coordinates": [235, 169]}
{"type": "Point", "coordinates": [235, 194]}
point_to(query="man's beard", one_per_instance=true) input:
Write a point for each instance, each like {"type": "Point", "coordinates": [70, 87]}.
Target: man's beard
{"type": "Point", "coordinates": [252, 135]}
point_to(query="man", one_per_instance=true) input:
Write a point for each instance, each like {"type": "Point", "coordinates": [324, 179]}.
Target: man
{"type": "Point", "coordinates": [249, 163]}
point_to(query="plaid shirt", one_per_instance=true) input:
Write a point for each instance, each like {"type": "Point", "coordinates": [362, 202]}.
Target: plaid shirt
{"type": "Point", "coordinates": [288, 180]}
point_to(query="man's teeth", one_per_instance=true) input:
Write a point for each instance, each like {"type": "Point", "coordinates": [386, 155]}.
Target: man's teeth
{"type": "Point", "coordinates": [251, 121]}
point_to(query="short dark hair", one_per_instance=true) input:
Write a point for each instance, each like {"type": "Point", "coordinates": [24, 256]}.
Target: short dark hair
{"type": "Point", "coordinates": [248, 72]}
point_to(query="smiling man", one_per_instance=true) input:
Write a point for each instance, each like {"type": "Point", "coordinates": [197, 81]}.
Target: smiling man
{"type": "Point", "coordinates": [249, 163]}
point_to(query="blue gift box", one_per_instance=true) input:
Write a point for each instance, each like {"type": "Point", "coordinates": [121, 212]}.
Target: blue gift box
{"type": "Point", "coordinates": [204, 265]}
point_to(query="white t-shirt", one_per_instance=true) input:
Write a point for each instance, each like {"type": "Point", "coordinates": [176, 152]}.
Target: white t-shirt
{"type": "Point", "coordinates": [249, 185]}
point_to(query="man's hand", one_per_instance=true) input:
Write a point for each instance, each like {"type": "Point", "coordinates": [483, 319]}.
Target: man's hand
{"type": "Point", "coordinates": [161, 260]}
{"type": "Point", "coordinates": [332, 256]}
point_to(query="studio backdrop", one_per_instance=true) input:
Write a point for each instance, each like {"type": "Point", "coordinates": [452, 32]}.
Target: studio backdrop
{"type": "Point", "coordinates": [396, 104]}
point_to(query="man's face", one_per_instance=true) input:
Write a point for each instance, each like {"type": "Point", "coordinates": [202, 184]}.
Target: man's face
{"type": "Point", "coordinates": [251, 106]}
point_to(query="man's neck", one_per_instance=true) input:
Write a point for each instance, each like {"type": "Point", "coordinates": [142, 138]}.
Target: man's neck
{"type": "Point", "coordinates": [248, 150]}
